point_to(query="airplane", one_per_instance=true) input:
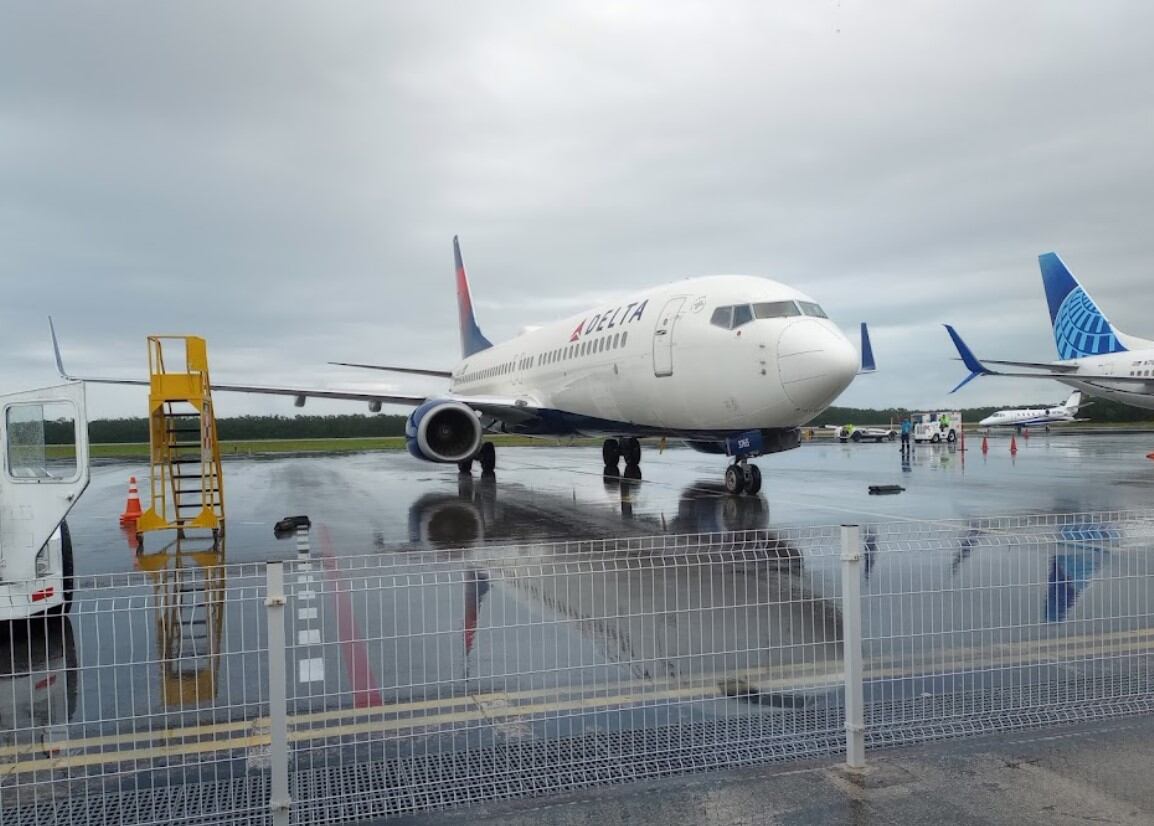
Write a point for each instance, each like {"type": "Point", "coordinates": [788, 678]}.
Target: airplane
{"type": "Point", "coordinates": [1094, 356]}
{"type": "Point", "coordinates": [732, 364]}
{"type": "Point", "coordinates": [1065, 412]}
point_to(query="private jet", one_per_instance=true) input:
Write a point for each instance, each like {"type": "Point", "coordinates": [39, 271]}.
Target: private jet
{"type": "Point", "coordinates": [1027, 417]}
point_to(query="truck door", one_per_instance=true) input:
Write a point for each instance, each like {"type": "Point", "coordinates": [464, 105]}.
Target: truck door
{"type": "Point", "coordinates": [663, 337]}
{"type": "Point", "coordinates": [43, 470]}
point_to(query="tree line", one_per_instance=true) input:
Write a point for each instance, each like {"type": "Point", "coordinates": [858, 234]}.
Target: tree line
{"type": "Point", "coordinates": [241, 428]}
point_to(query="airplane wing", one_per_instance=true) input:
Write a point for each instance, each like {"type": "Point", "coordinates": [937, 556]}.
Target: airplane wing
{"type": "Point", "coordinates": [1036, 365]}
{"type": "Point", "coordinates": [1060, 372]}
{"type": "Point", "coordinates": [299, 393]}
{"type": "Point", "coordinates": [417, 371]}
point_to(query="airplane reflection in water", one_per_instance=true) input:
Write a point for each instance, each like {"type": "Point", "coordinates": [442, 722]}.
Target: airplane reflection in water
{"type": "Point", "coordinates": [729, 610]}
{"type": "Point", "coordinates": [38, 682]}
{"type": "Point", "coordinates": [1074, 565]}
{"type": "Point", "coordinates": [1078, 556]}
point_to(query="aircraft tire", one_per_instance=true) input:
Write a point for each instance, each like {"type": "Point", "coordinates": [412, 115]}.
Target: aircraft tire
{"type": "Point", "coordinates": [67, 566]}
{"type": "Point", "coordinates": [465, 466]}
{"type": "Point", "coordinates": [611, 452]}
{"type": "Point", "coordinates": [752, 479]}
{"type": "Point", "coordinates": [631, 450]}
{"type": "Point", "coordinates": [734, 479]}
{"type": "Point", "coordinates": [488, 457]}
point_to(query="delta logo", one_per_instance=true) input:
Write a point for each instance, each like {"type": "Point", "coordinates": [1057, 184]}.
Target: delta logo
{"type": "Point", "coordinates": [616, 317]}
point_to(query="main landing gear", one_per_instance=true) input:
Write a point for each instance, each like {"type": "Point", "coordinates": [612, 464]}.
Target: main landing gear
{"type": "Point", "coordinates": [487, 456]}
{"type": "Point", "coordinates": [613, 451]}
{"type": "Point", "coordinates": [741, 477]}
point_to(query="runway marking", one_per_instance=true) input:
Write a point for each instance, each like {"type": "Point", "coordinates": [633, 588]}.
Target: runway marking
{"type": "Point", "coordinates": [312, 669]}
{"type": "Point", "coordinates": [309, 636]}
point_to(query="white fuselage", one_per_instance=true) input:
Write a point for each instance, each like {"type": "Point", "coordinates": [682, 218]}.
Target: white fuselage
{"type": "Point", "coordinates": [1027, 416]}
{"type": "Point", "coordinates": [1132, 363]}
{"type": "Point", "coordinates": [658, 362]}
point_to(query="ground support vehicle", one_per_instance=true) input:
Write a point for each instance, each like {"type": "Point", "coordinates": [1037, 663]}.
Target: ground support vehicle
{"type": "Point", "coordinates": [43, 471]}
{"type": "Point", "coordinates": [936, 427]}
{"type": "Point", "coordinates": [866, 434]}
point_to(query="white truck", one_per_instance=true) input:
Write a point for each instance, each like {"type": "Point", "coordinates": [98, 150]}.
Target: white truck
{"type": "Point", "coordinates": [936, 427]}
{"type": "Point", "coordinates": [43, 471]}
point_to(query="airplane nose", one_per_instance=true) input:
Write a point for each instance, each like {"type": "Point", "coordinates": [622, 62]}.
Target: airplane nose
{"type": "Point", "coordinates": [816, 363]}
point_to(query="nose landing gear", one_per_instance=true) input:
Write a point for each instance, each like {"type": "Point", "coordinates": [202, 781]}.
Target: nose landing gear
{"type": "Point", "coordinates": [741, 477]}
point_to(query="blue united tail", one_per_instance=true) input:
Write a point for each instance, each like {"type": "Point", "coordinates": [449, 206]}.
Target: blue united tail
{"type": "Point", "coordinates": [1080, 328]}
{"type": "Point", "coordinates": [472, 339]}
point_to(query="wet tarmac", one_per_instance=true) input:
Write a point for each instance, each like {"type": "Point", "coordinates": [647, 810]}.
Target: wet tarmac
{"type": "Point", "coordinates": [377, 501]}
{"type": "Point", "coordinates": [407, 515]}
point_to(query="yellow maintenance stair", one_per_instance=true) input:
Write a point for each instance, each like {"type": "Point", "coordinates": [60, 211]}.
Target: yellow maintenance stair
{"type": "Point", "coordinates": [186, 479]}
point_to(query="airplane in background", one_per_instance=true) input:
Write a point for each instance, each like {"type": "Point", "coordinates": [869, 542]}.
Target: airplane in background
{"type": "Point", "coordinates": [1065, 412]}
{"type": "Point", "coordinates": [1093, 355]}
{"type": "Point", "coordinates": [732, 364]}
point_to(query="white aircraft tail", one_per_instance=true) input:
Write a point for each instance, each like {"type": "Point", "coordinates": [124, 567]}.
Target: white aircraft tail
{"type": "Point", "coordinates": [1073, 403]}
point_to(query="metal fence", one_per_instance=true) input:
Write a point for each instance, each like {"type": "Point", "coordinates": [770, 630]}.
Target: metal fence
{"type": "Point", "coordinates": [329, 688]}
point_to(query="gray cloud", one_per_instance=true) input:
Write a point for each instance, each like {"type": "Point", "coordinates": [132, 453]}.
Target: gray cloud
{"type": "Point", "coordinates": [284, 178]}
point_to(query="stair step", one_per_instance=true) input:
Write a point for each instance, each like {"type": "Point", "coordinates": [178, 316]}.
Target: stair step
{"type": "Point", "coordinates": [181, 415]}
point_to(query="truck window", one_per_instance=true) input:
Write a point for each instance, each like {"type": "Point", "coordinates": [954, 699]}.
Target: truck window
{"type": "Point", "coordinates": [41, 441]}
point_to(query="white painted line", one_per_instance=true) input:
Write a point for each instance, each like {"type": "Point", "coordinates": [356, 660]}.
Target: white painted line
{"type": "Point", "coordinates": [307, 613]}
{"type": "Point", "coordinates": [309, 636]}
{"type": "Point", "coordinates": [312, 670]}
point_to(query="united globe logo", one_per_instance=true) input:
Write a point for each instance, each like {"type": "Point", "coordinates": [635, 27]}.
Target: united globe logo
{"type": "Point", "coordinates": [1081, 330]}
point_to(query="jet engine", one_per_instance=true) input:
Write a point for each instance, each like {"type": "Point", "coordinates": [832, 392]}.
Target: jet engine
{"type": "Point", "coordinates": [443, 431]}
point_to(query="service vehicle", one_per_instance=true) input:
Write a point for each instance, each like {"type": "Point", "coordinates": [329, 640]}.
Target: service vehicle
{"type": "Point", "coordinates": [847, 433]}
{"type": "Point", "coordinates": [940, 426]}
{"type": "Point", "coordinates": [43, 471]}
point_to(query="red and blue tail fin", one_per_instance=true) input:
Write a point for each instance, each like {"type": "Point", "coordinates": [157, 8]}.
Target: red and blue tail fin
{"type": "Point", "coordinates": [472, 339]}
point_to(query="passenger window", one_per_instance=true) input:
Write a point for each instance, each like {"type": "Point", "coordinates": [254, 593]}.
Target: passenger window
{"type": "Point", "coordinates": [809, 308]}
{"type": "Point", "coordinates": [742, 314]}
{"type": "Point", "coordinates": [616, 340]}
{"type": "Point", "coordinates": [775, 309]}
{"type": "Point", "coordinates": [722, 317]}
{"type": "Point", "coordinates": [624, 336]}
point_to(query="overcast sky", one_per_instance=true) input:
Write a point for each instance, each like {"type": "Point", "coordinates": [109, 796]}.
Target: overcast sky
{"type": "Point", "coordinates": [285, 178]}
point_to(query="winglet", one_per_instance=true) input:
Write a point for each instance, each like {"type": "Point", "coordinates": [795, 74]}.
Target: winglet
{"type": "Point", "coordinates": [975, 367]}
{"type": "Point", "coordinates": [56, 352]}
{"type": "Point", "coordinates": [472, 339]}
{"type": "Point", "coordinates": [868, 365]}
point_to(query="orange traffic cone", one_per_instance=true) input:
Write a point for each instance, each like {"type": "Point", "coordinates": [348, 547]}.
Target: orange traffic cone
{"type": "Point", "coordinates": [1013, 445]}
{"type": "Point", "coordinates": [132, 509]}
{"type": "Point", "coordinates": [985, 444]}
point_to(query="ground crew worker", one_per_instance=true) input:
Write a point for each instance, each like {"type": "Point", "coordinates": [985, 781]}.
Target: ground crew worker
{"type": "Point", "coordinates": [906, 428]}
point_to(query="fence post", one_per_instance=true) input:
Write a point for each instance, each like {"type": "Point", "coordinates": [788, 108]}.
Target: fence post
{"type": "Point", "coordinates": [279, 802]}
{"type": "Point", "coordinates": [852, 646]}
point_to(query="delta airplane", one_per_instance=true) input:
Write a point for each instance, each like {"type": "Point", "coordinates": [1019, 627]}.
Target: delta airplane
{"type": "Point", "coordinates": [1093, 355]}
{"type": "Point", "coordinates": [732, 364]}
{"type": "Point", "coordinates": [1065, 412]}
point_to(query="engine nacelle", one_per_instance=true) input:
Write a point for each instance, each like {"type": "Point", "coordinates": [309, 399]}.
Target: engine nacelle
{"type": "Point", "coordinates": [443, 431]}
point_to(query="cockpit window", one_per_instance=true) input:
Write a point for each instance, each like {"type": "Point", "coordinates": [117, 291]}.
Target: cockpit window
{"type": "Point", "coordinates": [722, 317]}
{"type": "Point", "coordinates": [776, 309]}
{"type": "Point", "coordinates": [809, 308]}
{"type": "Point", "coordinates": [742, 315]}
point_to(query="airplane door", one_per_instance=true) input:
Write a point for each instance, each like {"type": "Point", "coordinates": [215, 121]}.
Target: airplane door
{"type": "Point", "coordinates": [43, 470]}
{"type": "Point", "coordinates": [663, 337]}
